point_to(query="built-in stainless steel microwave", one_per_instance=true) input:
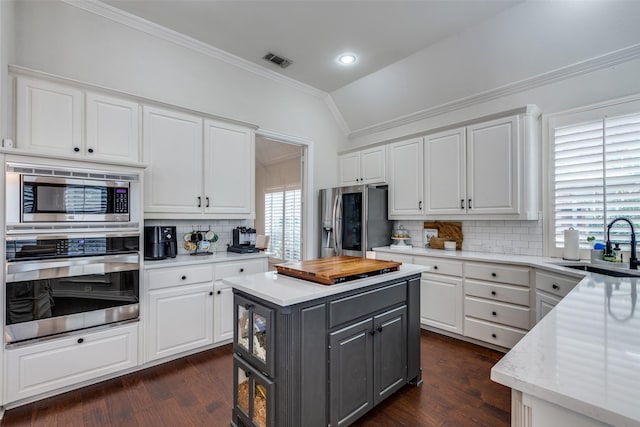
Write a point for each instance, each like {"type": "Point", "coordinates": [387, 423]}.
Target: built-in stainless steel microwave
{"type": "Point", "coordinates": [52, 195]}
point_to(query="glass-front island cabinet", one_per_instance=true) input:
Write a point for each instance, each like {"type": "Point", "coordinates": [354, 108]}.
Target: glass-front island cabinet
{"type": "Point", "coordinates": [314, 355]}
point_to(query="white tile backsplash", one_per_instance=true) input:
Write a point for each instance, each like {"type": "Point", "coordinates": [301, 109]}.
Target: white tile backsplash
{"type": "Point", "coordinates": [498, 236]}
{"type": "Point", "coordinates": [222, 227]}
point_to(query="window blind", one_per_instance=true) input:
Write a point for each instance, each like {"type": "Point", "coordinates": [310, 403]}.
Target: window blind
{"type": "Point", "coordinates": [596, 177]}
{"type": "Point", "coordinates": [283, 223]}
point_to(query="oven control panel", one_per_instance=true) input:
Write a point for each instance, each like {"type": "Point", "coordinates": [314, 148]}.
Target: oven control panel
{"type": "Point", "coordinates": [24, 248]}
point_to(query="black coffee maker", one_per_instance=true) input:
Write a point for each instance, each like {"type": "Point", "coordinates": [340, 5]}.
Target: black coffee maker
{"type": "Point", "coordinates": [244, 241]}
{"type": "Point", "coordinates": [160, 242]}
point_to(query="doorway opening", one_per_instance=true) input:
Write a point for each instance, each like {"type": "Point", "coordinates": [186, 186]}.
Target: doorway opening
{"type": "Point", "coordinates": [280, 197]}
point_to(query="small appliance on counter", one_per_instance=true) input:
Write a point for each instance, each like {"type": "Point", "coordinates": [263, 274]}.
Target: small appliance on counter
{"type": "Point", "coordinates": [160, 242]}
{"type": "Point", "coordinates": [244, 241]}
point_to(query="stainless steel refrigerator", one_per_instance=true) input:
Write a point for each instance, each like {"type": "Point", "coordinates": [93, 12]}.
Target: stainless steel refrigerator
{"type": "Point", "coordinates": [353, 220]}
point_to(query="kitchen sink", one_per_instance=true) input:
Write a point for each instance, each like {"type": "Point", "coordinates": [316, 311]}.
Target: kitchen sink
{"type": "Point", "coordinates": [604, 271]}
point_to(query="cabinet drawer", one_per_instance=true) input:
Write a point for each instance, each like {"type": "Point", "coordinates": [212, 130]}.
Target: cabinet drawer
{"type": "Point", "coordinates": [166, 277]}
{"type": "Point", "coordinates": [498, 292]}
{"type": "Point", "coordinates": [406, 259]}
{"type": "Point", "coordinates": [50, 365]}
{"type": "Point", "coordinates": [493, 333]}
{"type": "Point", "coordinates": [554, 283]}
{"type": "Point", "coordinates": [237, 268]}
{"type": "Point", "coordinates": [493, 311]}
{"type": "Point", "coordinates": [440, 266]}
{"type": "Point", "coordinates": [353, 307]}
{"type": "Point", "coordinates": [497, 273]}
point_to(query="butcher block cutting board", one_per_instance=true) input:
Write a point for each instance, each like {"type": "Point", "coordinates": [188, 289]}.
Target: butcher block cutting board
{"type": "Point", "coordinates": [338, 269]}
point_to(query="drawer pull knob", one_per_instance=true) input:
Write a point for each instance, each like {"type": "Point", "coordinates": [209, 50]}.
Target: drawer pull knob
{"type": "Point", "coordinates": [435, 267]}
{"type": "Point", "coordinates": [80, 340]}
{"type": "Point", "coordinates": [372, 332]}
{"type": "Point", "coordinates": [242, 270]}
{"type": "Point", "coordinates": [219, 292]}
{"type": "Point", "coordinates": [493, 293]}
{"type": "Point", "coordinates": [494, 336]}
{"type": "Point", "coordinates": [494, 313]}
{"type": "Point", "coordinates": [90, 150]}
{"type": "Point", "coordinates": [494, 275]}
{"type": "Point", "coordinates": [76, 149]}
{"type": "Point", "coordinates": [379, 328]}
{"type": "Point", "coordinates": [211, 293]}
{"type": "Point", "coordinates": [184, 277]}
{"type": "Point", "coordinates": [554, 286]}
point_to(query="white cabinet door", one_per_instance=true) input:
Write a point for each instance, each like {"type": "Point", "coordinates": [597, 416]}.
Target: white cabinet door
{"type": "Point", "coordinates": [373, 166]}
{"type": "Point", "coordinates": [48, 117]}
{"type": "Point", "coordinates": [38, 368]}
{"type": "Point", "coordinates": [228, 168]}
{"type": "Point", "coordinates": [349, 167]}
{"type": "Point", "coordinates": [441, 302]}
{"type": "Point", "coordinates": [405, 181]}
{"type": "Point", "coordinates": [180, 319]}
{"type": "Point", "coordinates": [223, 312]}
{"type": "Point", "coordinates": [544, 304]}
{"type": "Point", "coordinates": [172, 146]}
{"type": "Point", "coordinates": [492, 167]}
{"type": "Point", "coordinates": [112, 128]}
{"type": "Point", "coordinates": [445, 177]}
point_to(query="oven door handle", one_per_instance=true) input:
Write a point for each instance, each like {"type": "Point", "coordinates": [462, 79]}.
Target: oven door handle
{"type": "Point", "coordinates": [69, 267]}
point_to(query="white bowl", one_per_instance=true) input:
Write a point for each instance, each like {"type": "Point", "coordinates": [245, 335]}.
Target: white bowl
{"type": "Point", "coordinates": [449, 246]}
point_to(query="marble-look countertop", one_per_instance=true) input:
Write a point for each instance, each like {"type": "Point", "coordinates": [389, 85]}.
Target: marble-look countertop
{"type": "Point", "coordinates": [182, 260]}
{"type": "Point", "coordinates": [285, 291]}
{"type": "Point", "coordinates": [585, 354]}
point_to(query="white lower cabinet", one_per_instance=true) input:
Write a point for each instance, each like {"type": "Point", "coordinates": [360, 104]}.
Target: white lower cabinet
{"type": "Point", "coordinates": [222, 312]}
{"type": "Point", "coordinates": [441, 302]}
{"type": "Point", "coordinates": [179, 315]}
{"type": "Point", "coordinates": [550, 289]}
{"type": "Point", "coordinates": [38, 368]}
{"type": "Point", "coordinates": [180, 319]}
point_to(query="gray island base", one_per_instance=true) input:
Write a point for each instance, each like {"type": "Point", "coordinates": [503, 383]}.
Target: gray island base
{"type": "Point", "coordinates": [315, 355]}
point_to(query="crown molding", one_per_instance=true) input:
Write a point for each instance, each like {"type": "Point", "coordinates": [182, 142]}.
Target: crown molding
{"type": "Point", "coordinates": [132, 21]}
{"type": "Point", "coordinates": [337, 115]}
{"type": "Point", "coordinates": [574, 70]}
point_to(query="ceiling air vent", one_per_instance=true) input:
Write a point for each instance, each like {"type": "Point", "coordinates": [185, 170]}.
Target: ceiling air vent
{"type": "Point", "coordinates": [278, 60]}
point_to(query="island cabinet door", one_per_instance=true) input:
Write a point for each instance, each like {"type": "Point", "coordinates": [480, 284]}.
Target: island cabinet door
{"type": "Point", "coordinates": [351, 372]}
{"type": "Point", "coordinates": [254, 334]}
{"type": "Point", "coordinates": [389, 352]}
{"type": "Point", "coordinates": [253, 402]}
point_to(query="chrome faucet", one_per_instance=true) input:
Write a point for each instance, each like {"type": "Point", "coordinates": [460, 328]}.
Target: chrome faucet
{"type": "Point", "coordinates": [633, 260]}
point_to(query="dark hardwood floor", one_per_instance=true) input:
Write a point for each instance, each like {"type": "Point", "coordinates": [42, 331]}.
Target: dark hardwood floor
{"type": "Point", "coordinates": [197, 391]}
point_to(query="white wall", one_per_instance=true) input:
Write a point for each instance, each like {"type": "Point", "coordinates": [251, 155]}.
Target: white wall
{"type": "Point", "coordinates": [58, 38]}
{"type": "Point", "coordinates": [523, 42]}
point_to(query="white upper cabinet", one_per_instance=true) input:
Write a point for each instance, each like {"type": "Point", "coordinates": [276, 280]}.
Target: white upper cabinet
{"type": "Point", "coordinates": [229, 168]}
{"type": "Point", "coordinates": [172, 145]}
{"type": "Point", "coordinates": [363, 167]}
{"type": "Point", "coordinates": [112, 128]}
{"type": "Point", "coordinates": [198, 168]}
{"type": "Point", "coordinates": [405, 179]}
{"type": "Point", "coordinates": [493, 182]}
{"type": "Point", "coordinates": [445, 183]}
{"type": "Point", "coordinates": [485, 170]}
{"type": "Point", "coordinates": [53, 119]}
{"type": "Point", "coordinates": [48, 117]}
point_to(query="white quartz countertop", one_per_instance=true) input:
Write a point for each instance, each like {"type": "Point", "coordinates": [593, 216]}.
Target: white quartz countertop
{"type": "Point", "coordinates": [284, 290]}
{"type": "Point", "coordinates": [585, 354]}
{"type": "Point", "coordinates": [182, 260]}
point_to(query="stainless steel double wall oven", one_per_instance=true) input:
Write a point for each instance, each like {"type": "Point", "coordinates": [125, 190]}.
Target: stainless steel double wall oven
{"type": "Point", "coordinates": [72, 250]}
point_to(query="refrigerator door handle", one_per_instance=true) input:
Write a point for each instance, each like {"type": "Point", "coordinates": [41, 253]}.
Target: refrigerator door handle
{"type": "Point", "coordinates": [337, 224]}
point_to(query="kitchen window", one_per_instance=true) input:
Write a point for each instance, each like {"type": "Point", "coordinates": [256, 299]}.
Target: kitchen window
{"type": "Point", "coordinates": [283, 222]}
{"type": "Point", "coordinates": [594, 158]}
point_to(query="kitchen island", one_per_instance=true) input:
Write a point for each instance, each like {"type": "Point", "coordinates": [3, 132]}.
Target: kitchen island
{"type": "Point", "coordinates": [307, 354]}
{"type": "Point", "coordinates": [580, 365]}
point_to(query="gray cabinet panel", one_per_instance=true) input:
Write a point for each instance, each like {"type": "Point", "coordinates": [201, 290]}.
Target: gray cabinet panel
{"type": "Point", "coordinates": [355, 306]}
{"type": "Point", "coordinates": [351, 372]}
{"type": "Point", "coordinates": [313, 367]}
{"type": "Point", "coordinates": [389, 352]}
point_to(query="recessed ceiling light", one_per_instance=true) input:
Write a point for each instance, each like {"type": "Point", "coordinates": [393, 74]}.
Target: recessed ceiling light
{"type": "Point", "coordinates": [347, 59]}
